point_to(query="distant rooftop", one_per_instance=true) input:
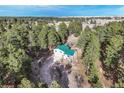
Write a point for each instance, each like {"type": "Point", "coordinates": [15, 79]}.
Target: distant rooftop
{"type": "Point", "coordinates": [66, 49]}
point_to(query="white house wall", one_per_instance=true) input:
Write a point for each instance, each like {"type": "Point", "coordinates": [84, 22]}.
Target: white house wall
{"type": "Point", "coordinates": [58, 55]}
{"type": "Point", "coordinates": [58, 51]}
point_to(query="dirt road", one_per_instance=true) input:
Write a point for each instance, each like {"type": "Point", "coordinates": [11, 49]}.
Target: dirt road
{"type": "Point", "coordinates": [106, 83]}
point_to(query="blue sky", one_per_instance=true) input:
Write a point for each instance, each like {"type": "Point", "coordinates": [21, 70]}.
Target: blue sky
{"type": "Point", "coordinates": [62, 10]}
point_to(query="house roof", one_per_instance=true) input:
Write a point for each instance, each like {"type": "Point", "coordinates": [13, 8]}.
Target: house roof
{"type": "Point", "coordinates": [66, 49]}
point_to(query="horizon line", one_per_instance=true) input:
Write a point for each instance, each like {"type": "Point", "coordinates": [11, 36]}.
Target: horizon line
{"type": "Point", "coordinates": [62, 16]}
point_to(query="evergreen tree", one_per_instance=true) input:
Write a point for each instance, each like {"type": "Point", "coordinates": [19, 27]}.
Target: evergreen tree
{"type": "Point", "coordinates": [55, 84]}
{"type": "Point", "coordinates": [25, 83]}
{"type": "Point", "coordinates": [113, 56]}
{"type": "Point", "coordinates": [43, 38]}
{"type": "Point", "coordinates": [53, 39]}
{"type": "Point", "coordinates": [75, 27]}
{"type": "Point", "coordinates": [63, 32]}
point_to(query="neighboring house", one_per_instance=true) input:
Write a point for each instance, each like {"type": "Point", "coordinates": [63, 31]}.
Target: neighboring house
{"type": "Point", "coordinates": [63, 52]}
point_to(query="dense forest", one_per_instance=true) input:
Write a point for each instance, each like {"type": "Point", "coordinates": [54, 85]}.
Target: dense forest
{"type": "Point", "coordinates": [105, 44]}
{"type": "Point", "coordinates": [22, 41]}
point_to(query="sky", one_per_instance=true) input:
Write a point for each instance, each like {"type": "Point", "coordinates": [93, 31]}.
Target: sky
{"type": "Point", "coordinates": [61, 10]}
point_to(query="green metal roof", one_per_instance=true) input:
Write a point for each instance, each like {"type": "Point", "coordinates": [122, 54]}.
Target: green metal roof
{"type": "Point", "coordinates": [65, 48]}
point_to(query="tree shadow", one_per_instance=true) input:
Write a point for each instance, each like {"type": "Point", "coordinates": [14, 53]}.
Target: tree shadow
{"type": "Point", "coordinates": [59, 74]}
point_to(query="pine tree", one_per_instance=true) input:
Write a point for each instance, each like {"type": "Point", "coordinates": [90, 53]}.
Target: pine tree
{"type": "Point", "coordinates": [55, 84]}
{"type": "Point", "coordinates": [25, 83]}
{"type": "Point", "coordinates": [63, 32]}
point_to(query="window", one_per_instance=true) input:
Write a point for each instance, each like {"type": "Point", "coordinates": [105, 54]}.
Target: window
{"type": "Point", "coordinates": [60, 51]}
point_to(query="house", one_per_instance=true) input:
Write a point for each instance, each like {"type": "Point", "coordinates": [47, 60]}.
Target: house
{"type": "Point", "coordinates": [63, 52]}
